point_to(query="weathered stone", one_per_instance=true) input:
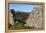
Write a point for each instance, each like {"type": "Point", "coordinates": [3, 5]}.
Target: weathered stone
{"type": "Point", "coordinates": [35, 18]}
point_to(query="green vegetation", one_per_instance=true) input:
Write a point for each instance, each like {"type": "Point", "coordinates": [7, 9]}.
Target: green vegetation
{"type": "Point", "coordinates": [19, 25]}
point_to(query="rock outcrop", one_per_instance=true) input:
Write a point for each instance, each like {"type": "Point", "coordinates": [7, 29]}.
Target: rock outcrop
{"type": "Point", "coordinates": [35, 18]}
{"type": "Point", "coordinates": [11, 21]}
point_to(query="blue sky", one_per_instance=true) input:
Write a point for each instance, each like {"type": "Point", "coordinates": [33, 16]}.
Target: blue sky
{"type": "Point", "coordinates": [22, 7]}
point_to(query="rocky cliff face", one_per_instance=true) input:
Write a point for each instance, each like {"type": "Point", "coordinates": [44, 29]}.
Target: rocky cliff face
{"type": "Point", "coordinates": [35, 18]}
{"type": "Point", "coordinates": [11, 21]}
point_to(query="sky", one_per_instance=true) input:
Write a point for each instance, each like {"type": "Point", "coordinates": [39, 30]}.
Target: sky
{"type": "Point", "coordinates": [22, 7]}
